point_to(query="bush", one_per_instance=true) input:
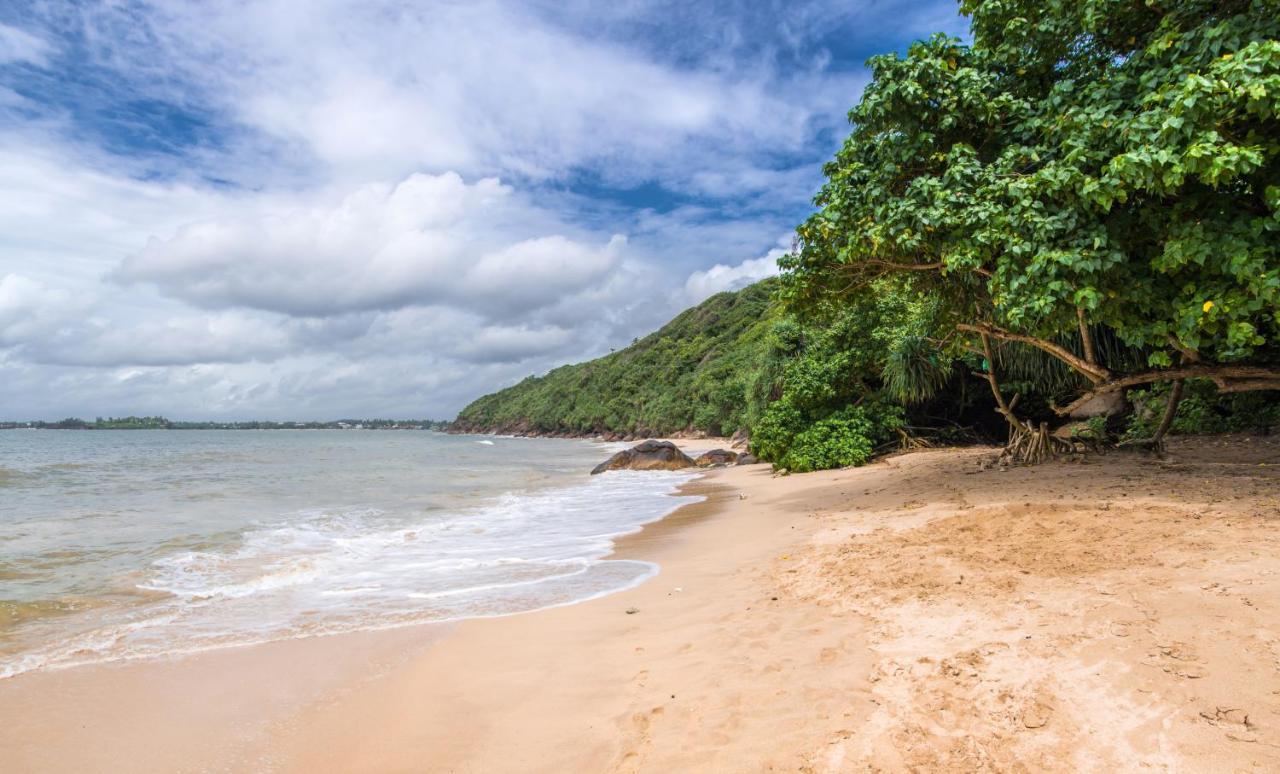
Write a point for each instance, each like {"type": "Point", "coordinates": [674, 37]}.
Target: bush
{"type": "Point", "coordinates": [773, 434]}
{"type": "Point", "coordinates": [847, 438]}
{"type": "Point", "coordinates": [1202, 410]}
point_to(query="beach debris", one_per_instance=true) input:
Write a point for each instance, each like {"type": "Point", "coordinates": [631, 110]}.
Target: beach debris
{"type": "Point", "coordinates": [650, 455]}
{"type": "Point", "coordinates": [632, 610]}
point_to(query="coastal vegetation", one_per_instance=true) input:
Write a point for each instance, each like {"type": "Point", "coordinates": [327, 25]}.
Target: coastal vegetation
{"type": "Point", "coordinates": [1090, 188]}
{"type": "Point", "coordinates": [696, 373]}
{"type": "Point", "coordinates": [1062, 235]}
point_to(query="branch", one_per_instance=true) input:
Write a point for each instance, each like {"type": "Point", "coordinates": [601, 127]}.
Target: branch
{"type": "Point", "coordinates": [1093, 372]}
{"type": "Point", "coordinates": [1086, 339]}
{"type": "Point", "coordinates": [1235, 378]}
{"type": "Point", "coordinates": [935, 266]}
{"type": "Point", "coordinates": [1003, 407]}
{"type": "Point", "coordinates": [1249, 385]}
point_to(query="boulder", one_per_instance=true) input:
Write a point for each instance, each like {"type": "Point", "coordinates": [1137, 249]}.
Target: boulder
{"type": "Point", "coordinates": [747, 459]}
{"type": "Point", "coordinates": [716, 457]}
{"type": "Point", "coordinates": [739, 439]}
{"type": "Point", "coordinates": [650, 455]}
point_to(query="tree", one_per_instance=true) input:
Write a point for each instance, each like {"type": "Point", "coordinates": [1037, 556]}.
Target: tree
{"type": "Point", "coordinates": [1085, 172]}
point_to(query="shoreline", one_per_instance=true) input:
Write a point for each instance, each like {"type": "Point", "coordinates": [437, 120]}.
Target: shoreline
{"type": "Point", "coordinates": [919, 613]}
{"type": "Point", "coordinates": [38, 662]}
{"type": "Point", "coordinates": [304, 670]}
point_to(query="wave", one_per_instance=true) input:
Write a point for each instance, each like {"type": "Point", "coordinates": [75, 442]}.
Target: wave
{"type": "Point", "coordinates": [321, 572]}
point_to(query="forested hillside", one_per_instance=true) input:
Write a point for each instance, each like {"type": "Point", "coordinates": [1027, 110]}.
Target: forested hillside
{"type": "Point", "coordinates": [696, 373]}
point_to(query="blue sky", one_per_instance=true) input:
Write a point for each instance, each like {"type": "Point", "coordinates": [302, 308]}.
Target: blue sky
{"type": "Point", "coordinates": [310, 208]}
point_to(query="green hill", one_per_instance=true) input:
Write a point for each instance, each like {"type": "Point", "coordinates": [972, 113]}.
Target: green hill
{"type": "Point", "coordinates": [694, 374]}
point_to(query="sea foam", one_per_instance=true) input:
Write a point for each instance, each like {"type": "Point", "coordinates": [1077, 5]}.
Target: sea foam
{"type": "Point", "coordinates": [319, 571]}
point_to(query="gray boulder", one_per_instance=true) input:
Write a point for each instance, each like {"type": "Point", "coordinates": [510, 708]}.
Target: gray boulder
{"type": "Point", "coordinates": [716, 457]}
{"type": "Point", "coordinates": [650, 455]}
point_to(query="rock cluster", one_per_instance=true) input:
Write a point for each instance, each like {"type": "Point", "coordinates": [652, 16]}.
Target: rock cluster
{"type": "Point", "coordinates": [650, 455]}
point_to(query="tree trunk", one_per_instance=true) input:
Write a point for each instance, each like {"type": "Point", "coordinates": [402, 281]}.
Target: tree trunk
{"type": "Point", "coordinates": [1170, 410]}
{"type": "Point", "coordinates": [1156, 442]}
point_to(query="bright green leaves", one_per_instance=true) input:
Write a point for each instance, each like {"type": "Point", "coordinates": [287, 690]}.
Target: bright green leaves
{"type": "Point", "coordinates": [1119, 157]}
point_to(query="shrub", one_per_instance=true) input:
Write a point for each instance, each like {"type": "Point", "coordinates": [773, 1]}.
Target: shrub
{"type": "Point", "coordinates": [1202, 410]}
{"type": "Point", "coordinates": [847, 438]}
{"type": "Point", "coordinates": [773, 434]}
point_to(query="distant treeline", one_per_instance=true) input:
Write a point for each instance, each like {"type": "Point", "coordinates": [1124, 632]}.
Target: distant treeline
{"type": "Point", "coordinates": [161, 423]}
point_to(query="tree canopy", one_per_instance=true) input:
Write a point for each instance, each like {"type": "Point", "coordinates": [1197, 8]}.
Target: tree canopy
{"type": "Point", "coordinates": [1083, 169]}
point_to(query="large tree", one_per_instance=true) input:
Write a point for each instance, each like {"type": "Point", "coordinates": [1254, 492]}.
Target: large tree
{"type": "Point", "coordinates": [1085, 172]}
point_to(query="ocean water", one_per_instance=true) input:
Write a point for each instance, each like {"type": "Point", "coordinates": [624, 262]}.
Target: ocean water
{"type": "Point", "coordinates": [122, 544]}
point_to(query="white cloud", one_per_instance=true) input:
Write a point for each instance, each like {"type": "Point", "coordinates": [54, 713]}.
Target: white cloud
{"type": "Point", "coordinates": [370, 208]}
{"type": "Point", "coordinates": [719, 278]}
{"type": "Point", "coordinates": [431, 239]}
{"type": "Point", "coordinates": [21, 46]}
{"type": "Point", "coordinates": [29, 308]}
{"type": "Point", "coordinates": [357, 91]}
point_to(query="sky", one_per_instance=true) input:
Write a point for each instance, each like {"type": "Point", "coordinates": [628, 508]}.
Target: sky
{"type": "Point", "coordinates": [314, 209]}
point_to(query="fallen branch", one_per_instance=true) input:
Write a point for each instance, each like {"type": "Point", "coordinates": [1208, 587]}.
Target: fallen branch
{"type": "Point", "coordinates": [1247, 378]}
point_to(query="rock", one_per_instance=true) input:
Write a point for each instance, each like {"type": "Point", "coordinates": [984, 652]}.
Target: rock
{"type": "Point", "coordinates": [649, 455]}
{"type": "Point", "coordinates": [716, 457]}
{"type": "Point", "coordinates": [632, 610]}
{"type": "Point", "coordinates": [739, 439]}
{"type": "Point", "coordinates": [1067, 431]}
{"type": "Point", "coordinates": [747, 459]}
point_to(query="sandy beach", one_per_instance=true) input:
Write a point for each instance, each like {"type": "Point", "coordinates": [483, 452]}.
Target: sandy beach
{"type": "Point", "coordinates": [921, 613]}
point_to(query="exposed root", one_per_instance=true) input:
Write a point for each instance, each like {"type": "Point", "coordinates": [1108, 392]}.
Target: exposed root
{"type": "Point", "coordinates": [909, 442]}
{"type": "Point", "coordinates": [1030, 445]}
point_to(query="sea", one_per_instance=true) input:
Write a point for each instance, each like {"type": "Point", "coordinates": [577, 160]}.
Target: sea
{"type": "Point", "coordinates": [127, 544]}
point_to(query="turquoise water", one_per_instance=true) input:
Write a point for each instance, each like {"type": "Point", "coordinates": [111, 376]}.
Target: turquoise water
{"type": "Point", "coordinates": [134, 543]}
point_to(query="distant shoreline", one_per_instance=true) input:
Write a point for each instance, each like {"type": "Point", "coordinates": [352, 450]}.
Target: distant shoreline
{"type": "Point", "coordinates": [344, 424]}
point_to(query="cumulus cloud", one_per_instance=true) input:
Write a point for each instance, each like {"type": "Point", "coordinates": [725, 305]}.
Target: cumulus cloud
{"type": "Point", "coordinates": [431, 239]}
{"type": "Point", "coordinates": [719, 278]}
{"type": "Point", "coordinates": [309, 208]}
{"type": "Point", "coordinates": [29, 308]}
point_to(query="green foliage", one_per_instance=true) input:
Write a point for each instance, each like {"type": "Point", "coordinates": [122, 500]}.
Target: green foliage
{"type": "Point", "coordinates": [848, 437]}
{"type": "Point", "coordinates": [1202, 410]}
{"type": "Point", "coordinates": [737, 361]}
{"type": "Point", "coordinates": [702, 371]}
{"type": "Point", "coordinates": [1119, 160]}
{"type": "Point", "coordinates": [773, 434]}
{"type": "Point", "coordinates": [840, 371]}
